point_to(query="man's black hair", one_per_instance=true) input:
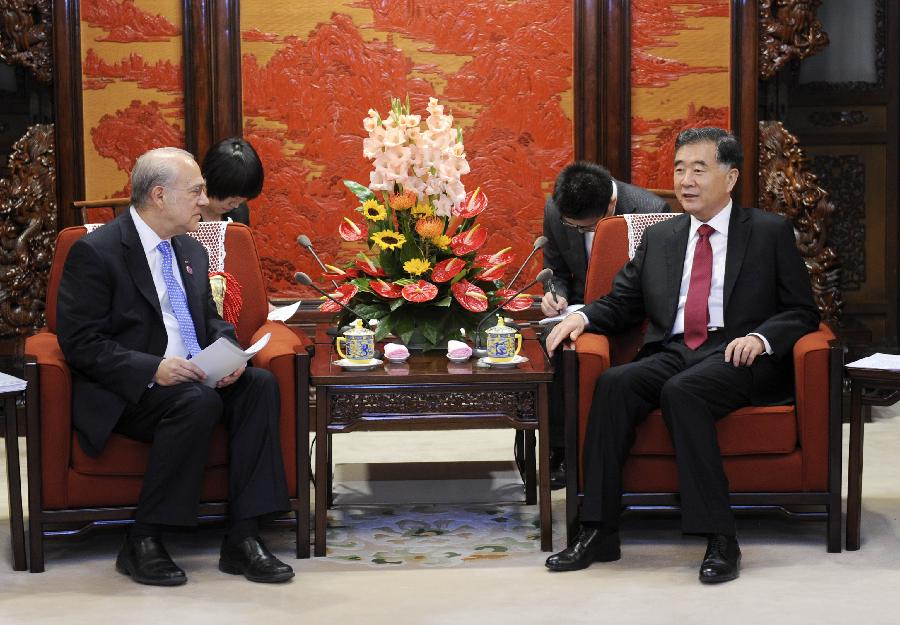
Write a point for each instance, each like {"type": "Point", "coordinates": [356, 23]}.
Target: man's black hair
{"type": "Point", "coordinates": [728, 148]}
{"type": "Point", "coordinates": [583, 190]}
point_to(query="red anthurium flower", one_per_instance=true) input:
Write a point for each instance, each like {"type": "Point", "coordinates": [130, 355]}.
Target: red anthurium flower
{"type": "Point", "coordinates": [519, 302]}
{"type": "Point", "coordinates": [339, 275]}
{"type": "Point", "coordinates": [420, 291]}
{"type": "Point", "coordinates": [474, 204]}
{"type": "Point", "coordinates": [493, 273]}
{"type": "Point", "coordinates": [350, 231]}
{"type": "Point", "coordinates": [365, 263]}
{"type": "Point", "coordinates": [344, 294]}
{"type": "Point", "coordinates": [386, 289]}
{"type": "Point", "coordinates": [470, 296]}
{"type": "Point", "coordinates": [468, 241]}
{"type": "Point", "coordinates": [447, 269]}
{"type": "Point", "coordinates": [486, 260]}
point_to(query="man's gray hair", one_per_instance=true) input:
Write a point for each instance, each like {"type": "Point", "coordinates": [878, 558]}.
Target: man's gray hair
{"type": "Point", "coordinates": [153, 168]}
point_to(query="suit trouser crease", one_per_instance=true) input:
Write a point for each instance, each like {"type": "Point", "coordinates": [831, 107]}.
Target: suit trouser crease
{"type": "Point", "coordinates": [178, 422]}
{"type": "Point", "coordinates": [694, 388]}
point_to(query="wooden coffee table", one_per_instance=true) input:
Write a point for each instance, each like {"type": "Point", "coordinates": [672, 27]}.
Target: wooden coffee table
{"type": "Point", "coordinates": [429, 392]}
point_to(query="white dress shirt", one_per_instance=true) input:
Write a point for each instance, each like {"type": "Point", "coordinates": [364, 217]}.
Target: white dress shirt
{"type": "Point", "coordinates": [149, 241]}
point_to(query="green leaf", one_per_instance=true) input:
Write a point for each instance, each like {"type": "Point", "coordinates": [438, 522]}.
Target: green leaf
{"type": "Point", "coordinates": [432, 332]}
{"type": "Point", "coordinates": [363, 193]}
{"type": "Point", "coordinates": [404, 326]}
{"type": "Point", "coordinates": [445, 302]}
{"type": "Point", "coordinates": [396, 303]}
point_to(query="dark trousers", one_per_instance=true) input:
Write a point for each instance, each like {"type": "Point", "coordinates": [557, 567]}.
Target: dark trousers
{"type": "Point", "coordinates": [694, 388]}
{"type": "Point", "coordinates": [178, 420]}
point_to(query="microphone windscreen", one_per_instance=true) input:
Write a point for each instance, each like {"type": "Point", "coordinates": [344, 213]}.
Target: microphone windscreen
{"type": "Point", "coordinates": [544, 275]}
{"type": "Point", "coordinates": [540, 242]}
{"type": "Point", "coordinates": [304, 241]}
{"type": "Point", "coordinates": [302, 278]}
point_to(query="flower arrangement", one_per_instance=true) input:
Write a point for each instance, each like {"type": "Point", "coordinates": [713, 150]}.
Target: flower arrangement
{"type": "Point", "coordinates": [425, 270]}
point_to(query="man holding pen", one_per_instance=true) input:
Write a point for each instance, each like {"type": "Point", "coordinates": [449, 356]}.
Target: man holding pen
{"type": "Point", "coordinates": [584, 194]}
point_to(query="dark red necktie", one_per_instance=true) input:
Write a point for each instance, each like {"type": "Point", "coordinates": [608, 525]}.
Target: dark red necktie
{"type": "Point", "coordinates": [696, 308]}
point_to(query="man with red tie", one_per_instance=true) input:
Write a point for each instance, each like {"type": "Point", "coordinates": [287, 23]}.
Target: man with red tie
{"type": "Point", "coordinates": [726, 295]}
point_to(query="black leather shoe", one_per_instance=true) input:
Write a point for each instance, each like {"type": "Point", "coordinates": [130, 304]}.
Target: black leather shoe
{"type": "Point", "coordinates": [722, 561]}
{"type": "Point", "coordinates": [557, 469]}
{"type": "Point", "coordinates": [147, 562]}
{"type": "Point", "coordinates": [251, 559]}
{"type": "Point", "coordinates": [591, 545]}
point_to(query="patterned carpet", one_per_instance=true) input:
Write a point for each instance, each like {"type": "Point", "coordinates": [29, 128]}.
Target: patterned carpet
{"type": "Point", "coordinates": [434, 535]}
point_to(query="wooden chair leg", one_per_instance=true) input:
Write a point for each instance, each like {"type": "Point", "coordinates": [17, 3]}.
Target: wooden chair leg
{"type": "Point", "coordinates": [530, 469]}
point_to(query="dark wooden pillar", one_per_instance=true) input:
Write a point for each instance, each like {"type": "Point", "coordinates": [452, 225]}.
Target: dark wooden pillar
{"type": "Point", "coordinates": [67, 96]}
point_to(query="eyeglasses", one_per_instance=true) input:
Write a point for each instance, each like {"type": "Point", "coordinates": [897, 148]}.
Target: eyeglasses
{"type": "Point", "coordinates": [581, 229]}
{"type": "Point", "coordinates": [196, 191]}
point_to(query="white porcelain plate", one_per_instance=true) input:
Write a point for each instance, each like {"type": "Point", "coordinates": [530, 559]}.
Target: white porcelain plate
{"type": "Point", "coordinates": [458, 360]}
{"type": "Point", "coordinates": [515, 362]}
{"type": "Point", "coordinates": [349, 365]}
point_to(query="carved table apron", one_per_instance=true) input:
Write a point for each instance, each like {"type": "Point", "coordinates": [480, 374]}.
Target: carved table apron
{"type": "Point", "coordinates": [429, 392]}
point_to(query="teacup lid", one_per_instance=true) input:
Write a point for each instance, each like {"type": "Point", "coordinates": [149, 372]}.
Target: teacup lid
{"type": "Point", "coordinates": [501, 327]}
{"type": "Point", "coordinates": [358, 329]}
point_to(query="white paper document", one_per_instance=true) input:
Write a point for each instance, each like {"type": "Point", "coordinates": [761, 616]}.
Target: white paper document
{"type": "Point", "coordinates": [568, 311]}
{"type": "Point", "coordinates": [224, 357]}
{"type": "Point", "coordinates": [284, 313]}
{"type": "Point", "coordinates": [11, 384]}
{"type": "Point", "coordinates": [885, 362]}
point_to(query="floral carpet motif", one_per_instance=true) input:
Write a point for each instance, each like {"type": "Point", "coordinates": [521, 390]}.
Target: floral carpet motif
{"type": "Point", "coordinates": [431, 535]}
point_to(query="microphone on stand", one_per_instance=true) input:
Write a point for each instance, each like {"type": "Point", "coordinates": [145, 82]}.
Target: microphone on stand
{"type": "Point", "coordinates": [303, 241]}
{"type": "Point", "coordinates": [539, 242]}
{"type": "Point", "coordinates": [543, 276]}
{"type": "Point", "coordinates": [305, 280]}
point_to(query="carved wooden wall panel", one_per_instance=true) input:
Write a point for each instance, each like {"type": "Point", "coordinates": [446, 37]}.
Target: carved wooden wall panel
{"type": "Point", "coordinates": [680, 77]}
{"type": "Point", "coordinates": [312, 70]}
{"type": "Point", "coordinates": [132, 87]}
{"type": "Point", "coordinates": [789, 30]}
{"type": "Point", "coordinates": [27, 231]}
{"type": "Point", "coordinates": [25, 36]}
{"type": "Point", "coordinates": [788, 187]}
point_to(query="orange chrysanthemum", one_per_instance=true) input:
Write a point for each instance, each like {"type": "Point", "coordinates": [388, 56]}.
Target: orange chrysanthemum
{"type": "Point", "coordinates": [430, 227]}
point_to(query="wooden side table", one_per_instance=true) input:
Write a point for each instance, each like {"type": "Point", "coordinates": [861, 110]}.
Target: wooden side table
{"type": "Point", "coordinates": [14, 479]}
{"type": "Point", "coordinates": [860, 380]}
{"type": "Point", "coordinates": [429, 392]}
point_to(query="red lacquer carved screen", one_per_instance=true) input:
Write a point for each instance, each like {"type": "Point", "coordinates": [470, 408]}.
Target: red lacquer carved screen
{"type": "Point", "coordinates": [680, 61]}
{"type": "Point", "coordinates": [131, 63]}
{"type": "Point", "coordinates": [312, 70]}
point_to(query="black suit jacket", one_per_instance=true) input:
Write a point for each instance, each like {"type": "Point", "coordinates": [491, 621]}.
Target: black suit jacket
{"type": "Point", "coordinates": [766, 290]}
{"type": "Point", "coordinates": [564, 251]}
{"type": "Point", "coordinates": [109, 322]}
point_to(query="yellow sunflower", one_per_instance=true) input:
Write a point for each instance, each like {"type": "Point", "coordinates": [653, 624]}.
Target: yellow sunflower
{"type": "Point", "coordinates": [422, 210]}
{"type": "Point", "coordinates": [416, 266]}
{"type": "Point", "coordinates": [403, 201]}
{"type": "Point", "coordinates": [443, 241]}
{"type": "Point", "coordinates": [373, 210]}
{"type": "Point", "coordinates": [389, 240]}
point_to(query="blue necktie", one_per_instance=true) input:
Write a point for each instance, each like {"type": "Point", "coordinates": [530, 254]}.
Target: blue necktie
{"type": "Point", "coordinates": [178, 301]}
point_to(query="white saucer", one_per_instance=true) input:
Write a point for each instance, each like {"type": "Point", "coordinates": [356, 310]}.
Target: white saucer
{"type": "Point", "coordinates": [349, 365]}
{"type": "Point", "coordinates": [396, 361]}
{"type": "Point", "coordinates": [514, 362]}
{"type": "Point", "coordinates": [458, 360]}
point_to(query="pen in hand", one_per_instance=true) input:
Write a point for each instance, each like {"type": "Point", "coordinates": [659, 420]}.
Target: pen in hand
{"type": "Point", "coordinates": [553, 292]}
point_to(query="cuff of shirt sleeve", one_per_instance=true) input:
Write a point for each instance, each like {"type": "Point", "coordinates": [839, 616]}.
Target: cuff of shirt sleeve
{"type": "Point", "coordinates": [583, 316]}
{"type": "Point", "coordinates": [765, 342]}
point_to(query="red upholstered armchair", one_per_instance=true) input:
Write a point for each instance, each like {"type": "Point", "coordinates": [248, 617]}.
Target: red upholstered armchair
{"type": "Point", "coordinates": [67, 488]}
{"type": "Point", "coordinates": [782, 457]}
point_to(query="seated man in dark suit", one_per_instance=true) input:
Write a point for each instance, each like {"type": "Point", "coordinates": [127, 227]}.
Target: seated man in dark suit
{"type": "Point", "coordinates": [726, 295]}
{"type": "Point", "coordinates": [584, 194]}
{"type": "Point", "coordinates": [128, 326]}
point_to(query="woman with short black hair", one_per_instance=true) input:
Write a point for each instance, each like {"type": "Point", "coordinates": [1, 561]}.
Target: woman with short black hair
{"type": "Point", "coordinates": [234, 175]}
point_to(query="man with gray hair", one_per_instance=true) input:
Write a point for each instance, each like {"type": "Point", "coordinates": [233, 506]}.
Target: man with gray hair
{"type": "Point", "coordinates": [134, 307]}
{"type": "Point", "coordinates": [725, 295]}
